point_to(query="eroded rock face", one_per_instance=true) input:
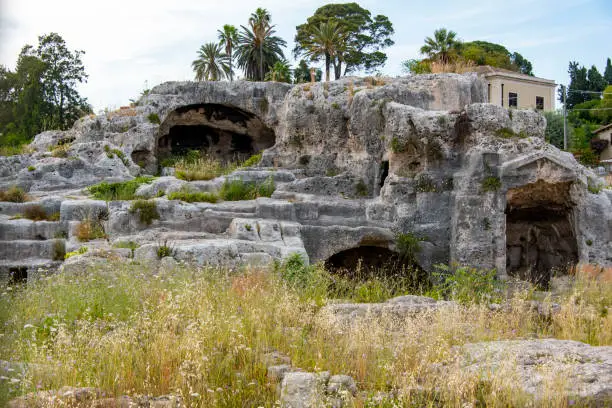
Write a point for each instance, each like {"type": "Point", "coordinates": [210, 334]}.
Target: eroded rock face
{"type": "Point", "coordinates": [354, 161]}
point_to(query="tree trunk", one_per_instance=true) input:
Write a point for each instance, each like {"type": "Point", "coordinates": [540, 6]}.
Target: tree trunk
{"type": "Point", "coordinates": [338, 69]}
{"type": "Point", "coordinates": [261, 70]}
{"type": "Point", "coordinates": [230, 65]}
{"type": "Point", "coordinates": [327, 64]}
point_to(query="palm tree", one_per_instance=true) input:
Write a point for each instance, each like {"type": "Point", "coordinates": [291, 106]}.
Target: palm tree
{"type": "Point", "coordinates": [280, 72]}
{"type": "Point", "coordinates": [442, 47]}
{"type": "Point", "coordinates": [212, 63]}
{"type": "Point", "coordinates": [228, 38]}
{"type": "Point", "coordinates": [326, 40]}
{"type": "Point", "coordinates": [258, 48]}
{"type": "Point", "coordinates": [260, 23]}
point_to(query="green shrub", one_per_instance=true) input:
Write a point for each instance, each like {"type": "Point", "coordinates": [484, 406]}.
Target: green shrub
{"type": "Point", "coordinates": [397, 146]}
{"type": "Point", "coordinates": [505, 133]}
{"type": "Point", "coordinates": [408, 246]}
{"type": "Point", "coordinates": [252, 161]}
{"type": "Point", "coordinates": [146, 209]}
{"type": "Point", "coordinates": [589, 242]}
{"type": "Point", "coordinates": [31, 168]}
{"type": "Point", "coordinates": [595, 188]}
{"type": "Point", "coordinates": [118, 191]}
{"type": "Point", "coordinates": [164, 250]}
{"type": "Point", "coordinates": [466, 285]}
{"type": "Point", "coordinates": [59, 250]}
{"type": "Point", "coordinates": [14, 195]}
{"type": "Point", "coordinates": [335, 105]}
{"type": "Point", "coordinates": [295, 271]}
{"type": "Point", "coordinates": [361, 189]}
{"type": "Point", "coordinates": [193, 196]}
{"type": "Point", "coordinates": [154, 118]}
{"type": "Point", "coordinates": [80, 251]}
{"type": "Point", "coordinates": [491, 183]}
{"type": "Point", "coordinates": [238, 190]}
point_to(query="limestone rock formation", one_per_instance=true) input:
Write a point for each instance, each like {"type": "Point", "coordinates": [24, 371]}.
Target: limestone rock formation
{"type": "Point", "coordinates": [354, 161]}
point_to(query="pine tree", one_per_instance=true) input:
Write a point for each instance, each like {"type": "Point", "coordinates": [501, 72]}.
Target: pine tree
{"type": "Point", "coordinates": [608, 72]}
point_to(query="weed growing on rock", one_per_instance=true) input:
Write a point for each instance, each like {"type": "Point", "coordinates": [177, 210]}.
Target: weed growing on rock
{"type": "Point", "coordinates": [131, 245]}
{"type": "Point", "coordinates": [425, 184]}
{"type": "Point", "coordinates": [125, 190]}
{"type": "Point", "coordinates": [201, 168]}
{"type": "Point", "coordinates": [59, 250]}
{"type": "Point", "coordinates": [361, 189]}
{"type": "Point", "coordinates": [193, 196]}
{"type": "Point", "coordinates": [31, 168]}
{"type": "Point", "coordinates": [14, 195]}
{"type": "Point", "coordinates": [505, 133]}
{"type": "Point", "coordinates": [164, 249]}
{"type": "Point", "coordinates": [38, 213]}
{"type": "Point", "coordinates": [154, 118]}
{"type": "Point", "coordinates": [252, 161]}
{"type": "Point", "coordinates": [91, 225]}
{"type": "Point", "coordinates": [146, 210]}
{"type": "Point", "coordinates": [491, 183]}
{"type": "Point", "coordinates": [397, 146]}
{"type": "Point", "coordinates": [79, 251]}
{"type": "Point", "coordinates": [408, 246]}
{"type": "Point", "coordinates": [238, 190]}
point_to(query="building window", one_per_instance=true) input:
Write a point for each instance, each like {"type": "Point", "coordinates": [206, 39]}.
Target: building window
{"type": "Point", "coordinates": [502, 95]}
{"type": "Point", "coordinates": [512, 99]}
{"type": "Point", "coordinates": [540, 102]}
{"type": "Point", "coordinates": [489, 93]}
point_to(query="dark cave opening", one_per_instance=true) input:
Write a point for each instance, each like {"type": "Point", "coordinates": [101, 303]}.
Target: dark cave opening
{"type": "Point", "coordinates": [540, 238]}
{"type": "Point", "coordinates": [384, 172]}
{"type": "Point", "coordinates": [366, 262]}
{"type": "Point", "coordinates": [223, 132]}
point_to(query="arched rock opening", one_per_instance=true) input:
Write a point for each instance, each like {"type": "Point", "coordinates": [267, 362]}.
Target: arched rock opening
{"type": "Point", "coordinates": [540, 237]}
{"type": "Point", "coordinates": [370, 261]}
{"type": "Point", "coordinates": [224, 132]}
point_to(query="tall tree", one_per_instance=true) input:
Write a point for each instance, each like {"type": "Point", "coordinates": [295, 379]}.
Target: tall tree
{"type": "Point", "coordinates": [522, 64]}
{"type": "Point", "coordinates": [64, 70]}
{"type": "Point", "coordinates": [365, 37]}
{"type": "Point", "coordinates": [327, 41]}
{"type": "Point", "coordinates": [608, 72]}
{"type": "Point", "coordinates": [211, 64]}
{"type": "Point", "coordinates": [228, 37]}
{"type": "Point", "coordinates": [578, 84]}
{"type": "Point", "coordinates": [258, 48]}
{"type": "Point", "coordinates": [443, 47]}
{"type": "Point", "coordinates": [596, 81]}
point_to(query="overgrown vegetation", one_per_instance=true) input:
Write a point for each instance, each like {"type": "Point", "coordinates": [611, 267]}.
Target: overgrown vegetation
{"type": "Point", "coordinates": [491, 183]}
{"type": "Point", "coordinates": [193, 196]}
{"type": "Point", "coordinates": [237, 189]}
{"type": "Point", "coordinates": [14, 195]}
{"type": "Point", "coordinates": [38, 213]}
{"type": "Point", "coordinates": [165, 249]}
{"type": "Point", "coordinates": [91, 225]}
{"type": "Point", "coordinates": [125, 190]}
{"type": "Point", "coordinates": [146, 210]}
{"type": "Point", "coordinates": [79, 251]}
{"type": "Point", "coordinates": [202, 334]}
{"type": "Point", "coordinates": [192, 168]}
{"type": "Point", "coordinates": [154, 118]}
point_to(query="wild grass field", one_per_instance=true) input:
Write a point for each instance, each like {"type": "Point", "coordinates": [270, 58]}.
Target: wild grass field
{"type": "Point", "coordinates": [200, 333]}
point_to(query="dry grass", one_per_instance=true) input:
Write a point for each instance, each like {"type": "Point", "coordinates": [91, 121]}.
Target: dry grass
{"type": "Point", "coordinates": [203, 168]}
{"type": "Point", "coordinates": [200, 333]}
{"type": "Point", "coordinates": [458, 67]}
{"type": "Point", "coordinates": [14, 195]}
{"type": "Point", "coordinates": [123, 111]}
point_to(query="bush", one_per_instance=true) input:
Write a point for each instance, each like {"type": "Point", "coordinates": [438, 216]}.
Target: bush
{"type": "Point", "coordinates": [118, 191]}
{"type": "Point", "coordinates": [59, 250]}
{"type": "Point", "coordinates": [146, 209]}
{"type": "Point", "coordinates": [164, 250]}
{"type": "Point", "coordinates": [361, 189]}
{"type": "Point", "coordinates": [238, 190]}
{"type": "Point", "coordinates": [252, 161]}
{"type": "Point", "coordinates": [408, 246]}
{"type": "Point", "coordinates": [91, 225]}
{"type": "Point", "coordinates": [154, 118]}
{"type": "Point", "coordinates": [31, 168]}
{"type": "Point", "coordinates": [193, 197]}
{"type": "Point", "coordinates": [201, 168]}
{"type": "Point", "coordinates": [467, 285]}
{"type": "Point", "coordinates": [397, 146]}
{"type": "Point", "coordinates": [35, 213]}
{"type": "Point", "coordinates": [14, 195]}
{"type": "Point", "coordinates": [491, 183]}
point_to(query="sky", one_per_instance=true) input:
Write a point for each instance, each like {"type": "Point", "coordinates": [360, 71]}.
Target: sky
{"type": "Point", "coordinates": [131, 45]}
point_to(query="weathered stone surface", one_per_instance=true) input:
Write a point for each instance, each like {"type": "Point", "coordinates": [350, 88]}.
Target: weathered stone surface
{"type": "Point", "coordinates": [584, 371]}
{"type": "Point", "coordinates": [354, 162]}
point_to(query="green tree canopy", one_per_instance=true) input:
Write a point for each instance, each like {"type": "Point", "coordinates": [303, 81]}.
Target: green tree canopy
{"type": "Point", "coordinates": [365, 37]}
{"type": "Point", "coordinates": [258, 48]}
{"type": "Point", "coordinates": [280, 72]}
{"type": "Point", "coordinates": [212, 63]}
{"type": "Point", "coordinates": [41, 94]}
{"type": "Point", "coordinates": [608, 72]}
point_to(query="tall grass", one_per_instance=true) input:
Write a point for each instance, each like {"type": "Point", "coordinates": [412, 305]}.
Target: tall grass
{"type": "Point", "coordinates": [201, 334]}
{"type": "Point", "coordinates": [125, 190]}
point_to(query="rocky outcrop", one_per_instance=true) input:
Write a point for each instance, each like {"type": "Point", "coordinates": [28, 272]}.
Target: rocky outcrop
{"type": "Point", "coordinates": [354, 161]}
{"type": "Point", "coordinates": [583, 372]}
